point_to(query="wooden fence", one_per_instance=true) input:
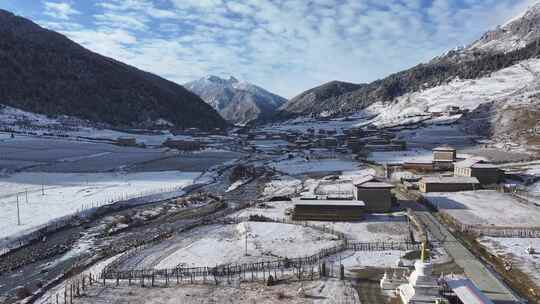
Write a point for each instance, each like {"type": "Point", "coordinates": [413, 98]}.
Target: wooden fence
{"type": "Point", "coordinates": [197, 273]}
{"type": "Point", "coordinates": [498, 232]}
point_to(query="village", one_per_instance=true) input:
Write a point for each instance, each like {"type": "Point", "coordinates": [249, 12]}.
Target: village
{"type": "Point", "coordinates": [338, 214]}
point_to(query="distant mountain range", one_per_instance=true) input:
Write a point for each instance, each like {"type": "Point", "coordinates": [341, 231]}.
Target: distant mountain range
{"type": "Point", "coordinates": [496, 77]}
{"type": "Point", "coordinates": [238, 102]}
{"type": "Point", "coordinates": [44, 72]}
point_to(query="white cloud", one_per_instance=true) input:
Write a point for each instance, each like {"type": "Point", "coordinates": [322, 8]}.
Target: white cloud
{"type": "Point", "coordinates": [59, 10]}
{"type": "Point", "coordinates": [286, 46]}
{"type": "Point", "coordinates": [119, 20]}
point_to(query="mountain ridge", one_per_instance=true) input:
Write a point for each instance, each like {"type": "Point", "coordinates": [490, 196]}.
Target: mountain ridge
{"type": "Point", "coordinates": [237, 101]}
{"type": "Point", "coordinates": [470, 62]}
{"type": "Point", "coordinates": [45, 72]}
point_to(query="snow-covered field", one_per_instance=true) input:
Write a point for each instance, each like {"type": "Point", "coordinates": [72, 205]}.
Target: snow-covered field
{"type": "Point", "coordinates": [67, 193]}
{"type": "Point", "coordinates": [302, 166]}
{"type": "Point", "coordinates": [486, 207]}
{"type": "Point", "coordinates": [331, 291]}
{"type": "Point", "coordinates": [398, 157]}
{"type": "Point", "coordinates": [40, 124]}
{"type": "Point", "coordinates": [434, 135]}
{"type": "Point", "coordinates": [283, 186]}
{"type": "Point", "coordinates": [266, 241]}
{"type": "Point", "coordinates": [383, 259]}
{"type": "Point", "coordinates": [226, 244]}
{"type": "Point", "coordinates": [515, 250]}
{"type": "Point", "coordinates": [61, 155]}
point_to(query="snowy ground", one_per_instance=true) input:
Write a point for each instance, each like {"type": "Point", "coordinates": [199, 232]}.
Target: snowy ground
{"type": "Point", "coordinates": [283, 186]}
{"type": "Point", "coordinates": [330, 291]}
{"type": "Point", "coordinates": [383, 259]}
{"type": "Point", "coordinates": [515, 250]}
{"type": "Point", "coordinates": [225, 244]}
{"type": "Point", "coordinates": [486, 207]}
{"type": "Point", "coordinates": [302, 166]}
{"type": "Point", "coordinates": [398, 157]}
{"type": "Point", "coordinates": [19, 120]}
{"type": "Point", "coordinates": [66, 193]}
{"type": "Point", "coordinates": [435, 135]}
{"type": "Point", "coordinates": [61, 155]}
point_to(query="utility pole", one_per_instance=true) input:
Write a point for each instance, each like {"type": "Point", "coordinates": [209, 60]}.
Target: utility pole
{"type": "Point", "coordinates": [18, 212]}
{"type": "Point", "coordinates": [26, 194]}
{"type": "Point", "coordinates": [246, 244]}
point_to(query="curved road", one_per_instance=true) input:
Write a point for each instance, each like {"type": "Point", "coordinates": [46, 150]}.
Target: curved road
{"type": "Point", "coordinates": [475, 270]}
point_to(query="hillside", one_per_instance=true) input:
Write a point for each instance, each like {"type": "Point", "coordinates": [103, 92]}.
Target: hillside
{"type": "Point", "coordinates": [238, 102]}
{"type": "Point", "coordinates": [44, 72]}
{"type": "Point", "coordinates": [508, 45]}
{"type": "Point", "coordinates": [318, 97]}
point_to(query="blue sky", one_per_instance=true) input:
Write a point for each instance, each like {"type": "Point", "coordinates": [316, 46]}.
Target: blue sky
{"type": "Point", "coordinates": [286, 46]}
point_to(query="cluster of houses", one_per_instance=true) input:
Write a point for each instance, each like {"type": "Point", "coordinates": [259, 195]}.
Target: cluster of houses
{"type": "Point", "coordinates": [466, 174]}
{"type": "Point", "coordinates": [344, 200]}
{"type": "Point", "coordinates": [357, 139]}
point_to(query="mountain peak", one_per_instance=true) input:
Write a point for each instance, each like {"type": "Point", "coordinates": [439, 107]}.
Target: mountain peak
{"type": "Point", "coordinates": [516, 33]}
{"type": "Point", "coordinates": [217, 79]}
{"type": "Point", "coordinates": [237, 101]}
{"type": "Point", "coordinates": [532, 11]}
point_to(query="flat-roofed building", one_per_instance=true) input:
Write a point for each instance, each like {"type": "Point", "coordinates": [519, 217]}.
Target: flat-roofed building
{"type": "Point", "coordinates": [448, 184]}
{"type": "Point", "coordinates": [328, 210]}
{"type": "Point", "coordinates": [444, 153]}
{"type": "Point", "coordinates": [485, 173]}
{"type": "Point", "coordinates": [420, 166]}
{"type": "Point", "coordinates": [444, 157]}
{"type": "Point", "coordinates": [376, 195]}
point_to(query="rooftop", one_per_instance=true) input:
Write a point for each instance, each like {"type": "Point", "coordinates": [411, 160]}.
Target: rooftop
{"type": "Point", "coordinates": [375, 185]}
{"type": "Point", "coordinates": [467, 292]}
{"type": "Point", "coordinates": [298, 202]}
{"type": "Point", "coordinates": [445, 148]}
{"type": "Point", "coordinates": [474, 163]}
{"type": "Point", "coordinates": [450, 180]}
{"type": "Point", "coordinates": [467, 163]}
{"type": "Point", "coordinates": [485, 166]}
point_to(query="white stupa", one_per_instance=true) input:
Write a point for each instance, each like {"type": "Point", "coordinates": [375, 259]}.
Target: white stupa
{"type": "Point", "coordinates": [422, 286]}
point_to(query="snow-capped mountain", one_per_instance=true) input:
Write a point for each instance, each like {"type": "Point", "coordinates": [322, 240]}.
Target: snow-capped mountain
{"type": "Point", "coordinates": [495, 81]}
{"type": "Point", "coordinates": [237, 101]}
{"type": "Point", "coordinates": [516, 33]}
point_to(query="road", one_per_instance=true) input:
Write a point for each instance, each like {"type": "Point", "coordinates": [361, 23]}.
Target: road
{"type": "Point", "coordinates": [484, 278]}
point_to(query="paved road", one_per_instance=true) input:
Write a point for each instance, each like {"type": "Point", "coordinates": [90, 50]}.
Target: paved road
{"type": "Point", "coordinates": [486, 280]}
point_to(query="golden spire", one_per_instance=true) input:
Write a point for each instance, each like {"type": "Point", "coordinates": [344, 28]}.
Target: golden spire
{"type": "Point", "coordinates": [424, 254]}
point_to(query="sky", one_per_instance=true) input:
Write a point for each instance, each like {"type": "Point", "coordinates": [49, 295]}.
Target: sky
{"type": "Point", "coordinates": [285, 46]}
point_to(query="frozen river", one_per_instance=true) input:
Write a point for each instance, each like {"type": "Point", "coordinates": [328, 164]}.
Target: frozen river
{"type": "Point", "coordinates": [69, 156]}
